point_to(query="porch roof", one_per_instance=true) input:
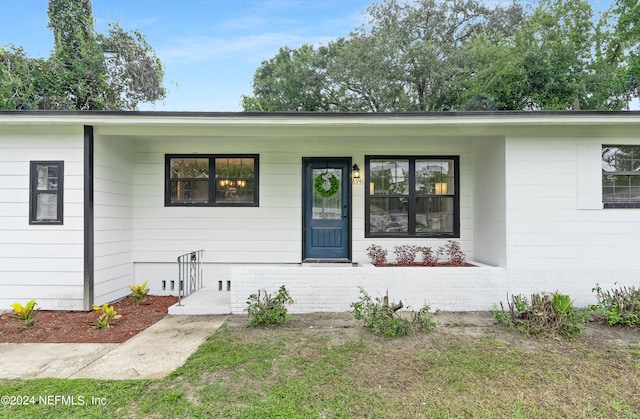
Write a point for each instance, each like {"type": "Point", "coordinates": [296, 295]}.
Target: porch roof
{"type": "Point", "coordinates": [504, 118]}
{"type": "Point", "coordinates": [151, 125]}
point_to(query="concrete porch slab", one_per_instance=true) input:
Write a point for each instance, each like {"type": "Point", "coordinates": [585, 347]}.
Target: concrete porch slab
{"type": "Point", "coordinates": [202, 302]}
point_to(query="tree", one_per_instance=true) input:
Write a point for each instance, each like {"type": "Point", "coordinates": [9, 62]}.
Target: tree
{"type": "Point", "coordinates": [293, 80]}
{"type": "Point", "coordinates": [86, 70]}
{"type": "Point", "coordinates": [626, 44]}
{"type": "Point", "coordinates": [409, 58]}
{"type": "Point", "coordinates": [556, 60]}
{"type": "Point", "coordinates": [425, 40]}
{"type": "Point", "coordinates": [452, 55]}
{"type": "Point", "coordinates": [21, 79]}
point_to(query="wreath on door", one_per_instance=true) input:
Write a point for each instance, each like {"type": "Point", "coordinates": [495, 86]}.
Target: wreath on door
{"type": "Point", "coordinates": [326, 184]}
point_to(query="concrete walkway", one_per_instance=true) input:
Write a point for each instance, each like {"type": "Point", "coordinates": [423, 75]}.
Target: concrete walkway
{"type": "Point", "coordinates": [153, 353]}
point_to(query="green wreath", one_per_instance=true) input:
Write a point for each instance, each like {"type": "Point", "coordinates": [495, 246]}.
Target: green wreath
{"type": "Point", "coordinates": [319, 185]}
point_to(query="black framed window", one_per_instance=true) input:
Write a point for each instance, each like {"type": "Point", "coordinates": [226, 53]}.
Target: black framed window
{"type": "Point", "coordinates": [211, 180]}
{"type": "Point", "coordinates": [46, 180]}
{"type": "Point", "coordinates": [412, 196]}
{"type": "Point", "coordinates": [621, 176]}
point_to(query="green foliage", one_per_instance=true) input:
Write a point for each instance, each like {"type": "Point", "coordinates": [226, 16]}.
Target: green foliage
{"type": "Point", "coordinates": [383, 319]}
{"type": "Point", "coordinates": [86, 70]}
{"type": "Point", "coordinates": [106, 314]}
{"type": "Point", "coordinates": [138, 292]}
{"type": "Point", "coordinates": [267, 310]}
{"type": "Point", "coordinates": [618, 306]}
{"type": "Point", "coordinates": [336, 374]}
{"type": "Point", "coordinates": [556, 60]}
{"type": "Point", "coordinates": [407, 58]}
{"type": "Point", "coordinates": [25, 313]}
{"type": "Point", "coordinates": [456, 55]}
{"type": "Point", "coordinates": [546, 314]}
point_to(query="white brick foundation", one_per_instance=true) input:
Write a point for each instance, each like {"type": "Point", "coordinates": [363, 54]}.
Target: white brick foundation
{"type": "Point", "coordinates": [333, 288]}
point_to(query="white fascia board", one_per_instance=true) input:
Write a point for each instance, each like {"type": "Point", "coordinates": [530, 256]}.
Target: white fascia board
{"type": "Point", "coordinates": [124, 119]}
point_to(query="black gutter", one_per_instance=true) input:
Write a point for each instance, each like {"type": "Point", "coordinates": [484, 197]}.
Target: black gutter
{"type": "Point", "coordinates": [88, 298]}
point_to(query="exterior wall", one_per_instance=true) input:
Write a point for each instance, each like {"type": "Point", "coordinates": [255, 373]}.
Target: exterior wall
{"type": "Point", "coordinates": [556, 227]}
{"type": "Point", "coordinates": [113, 186]}
{"type": "Point", "coordinates": [333, 289]}
{"type": "Point", "coordinates": [44, 262]}
{"type": "Point", "coordinates": [546, 229]}
{"type": "Point", "coordinates": [489, 206]}
{"type": "Point", "coordinates": [272, 232]}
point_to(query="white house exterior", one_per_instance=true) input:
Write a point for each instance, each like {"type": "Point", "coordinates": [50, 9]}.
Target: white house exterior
{"type": "Point", "coordinates": [524, 198]}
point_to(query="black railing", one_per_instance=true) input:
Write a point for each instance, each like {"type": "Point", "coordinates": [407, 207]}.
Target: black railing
{"type": "Point", "coordinates": [189, 274]}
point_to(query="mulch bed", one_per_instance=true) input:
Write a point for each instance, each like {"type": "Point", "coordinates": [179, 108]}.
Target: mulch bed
{"type": "Point", "coordinates": [80, 326]}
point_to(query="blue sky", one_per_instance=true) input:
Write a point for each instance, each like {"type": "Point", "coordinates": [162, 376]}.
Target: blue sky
{"type": "Point", "coordinates": [210, 48]}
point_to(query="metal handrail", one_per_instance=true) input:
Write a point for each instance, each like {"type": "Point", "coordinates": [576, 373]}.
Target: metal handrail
{"type": "Point", "coordinates": [189, 274]}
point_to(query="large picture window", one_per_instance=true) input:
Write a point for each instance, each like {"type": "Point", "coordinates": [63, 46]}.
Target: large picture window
{"type": "Point", "coordinates": [46, 185]}
{"type": "Point", "coordinates": [211, 180]}
{"type": "Point", "coordinates": [621, 176]}
{"type": "Point", "coordinates": [412, 196]}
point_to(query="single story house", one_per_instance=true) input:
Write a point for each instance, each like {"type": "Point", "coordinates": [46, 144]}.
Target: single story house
{"type": "Point", "coordinates": [91, 202]}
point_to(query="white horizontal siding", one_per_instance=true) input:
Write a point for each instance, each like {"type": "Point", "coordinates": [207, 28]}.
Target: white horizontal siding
{"type": "Point", "coordinates": [489, 203]}
{"type": "Point", "coordinates": [113, 179]}
{"type": "Point", "coordinates": [554, 219]}
{"type": "Point", "coordinates": [272, 232]}
{"type": "Point", "coordinates": [44, 262]}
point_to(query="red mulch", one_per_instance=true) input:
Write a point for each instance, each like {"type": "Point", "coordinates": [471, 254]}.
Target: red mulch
{"type": "Point", "coordinates": [418, 264]}
{"type": "Point", "coordinates": [80, 326]}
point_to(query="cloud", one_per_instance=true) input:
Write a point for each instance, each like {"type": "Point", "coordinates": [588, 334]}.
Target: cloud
{"type": "Point", "coordinates": [202, 49]}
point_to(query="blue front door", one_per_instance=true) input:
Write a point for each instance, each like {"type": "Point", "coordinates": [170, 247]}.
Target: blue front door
{"type": "Point", "coordinates": [327, 209]}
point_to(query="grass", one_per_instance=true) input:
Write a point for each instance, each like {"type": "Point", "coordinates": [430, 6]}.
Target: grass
{"type": "Point", "coordinates": [295, 373]}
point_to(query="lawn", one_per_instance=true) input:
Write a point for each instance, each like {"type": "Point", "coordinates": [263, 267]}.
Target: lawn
{"type": "Point", "coordinates": [332, 368]}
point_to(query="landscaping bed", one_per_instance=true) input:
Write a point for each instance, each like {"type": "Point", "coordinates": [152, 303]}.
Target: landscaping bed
{"type": "Point", "coordinates": [81, 327]}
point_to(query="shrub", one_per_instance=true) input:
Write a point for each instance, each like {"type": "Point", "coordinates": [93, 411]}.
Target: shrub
{"type": "Point", "coordinates": [138, 292]}
{"type": "Point", "coordinates": [405, 254]}
{"type": "Point", "coordinates": [454, 252]}
{"type": "Point", "coordinates": [429, 257]}
{"type": "Point", "coordinates": [25, 313]}
{"type": "Point", "coordinates": [377, 254]}
{"type": "Point", "coordinates": [106, 313]}
{"type": "Point", "coordinates": [618, 306]}
{"type": "Point", "coordinates": [383, 319]}
{"type": "Point", "coordinates": [265, 310]}
{"type": "Point", "coordinates": [550, 314]}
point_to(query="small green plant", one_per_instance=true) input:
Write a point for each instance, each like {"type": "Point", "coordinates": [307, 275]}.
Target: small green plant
{"type": "Point", "coordinates": [25, 313]}
{"type": "Point", "coordinates": [106, 314]}
{"type": "Point", "coordinates": [138, 292]}
{"type": "Point", "coordinates": [267, 310]}
{"type": "Point", "coordinates": [551, 314]}
{"type": "Point", "coordinates": [377, 254]}
{"type": "Point", "coordinates": [618, 306]}
{"type": "Point", "coordinates": [383, 318]}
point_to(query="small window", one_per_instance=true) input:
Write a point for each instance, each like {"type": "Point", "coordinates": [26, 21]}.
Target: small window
{"type": "Point", "coordinates": [211, 180]}
{"type": "Point", "coordinates": [621, 176]}
{"type": "Point", "coordinates": [46, 179]}
{"type": "Point", "coordinates": [412, 196]}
